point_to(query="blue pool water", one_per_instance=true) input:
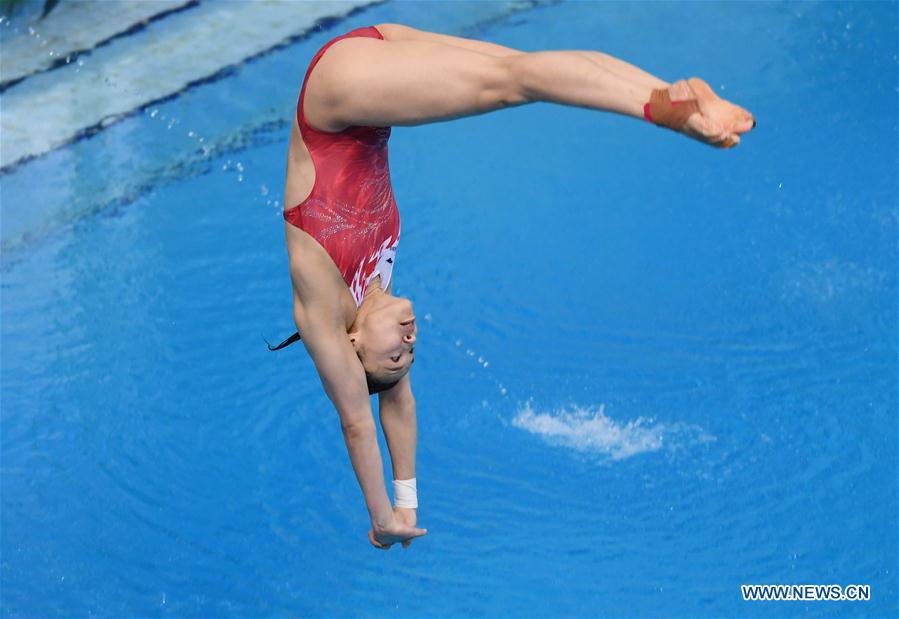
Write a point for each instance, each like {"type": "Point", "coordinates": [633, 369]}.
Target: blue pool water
{"type": "Point", "coordinates": [648, 371]}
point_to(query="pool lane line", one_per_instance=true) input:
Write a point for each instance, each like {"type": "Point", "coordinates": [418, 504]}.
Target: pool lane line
{"type": "Point", "coordinates": [85, 132]}
{"type": "Point", "coordinates": [190, 166]}
{"type": "Point", "coordinates": [321, 24]}
{"type": "Point", "coordinates": [74, 55]}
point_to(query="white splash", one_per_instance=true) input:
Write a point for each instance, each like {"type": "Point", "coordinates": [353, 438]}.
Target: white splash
{"type": "Point", "coordinates": [591, 431]}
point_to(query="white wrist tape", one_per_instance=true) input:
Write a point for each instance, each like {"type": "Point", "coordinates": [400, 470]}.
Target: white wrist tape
{"type": "Point", "coordinates": [405, 493]}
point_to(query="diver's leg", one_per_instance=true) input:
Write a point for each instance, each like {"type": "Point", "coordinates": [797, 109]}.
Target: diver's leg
{"type": "Point", "coordinates": [363, 81]}
{"type": "Point", "coordinates": [624, 69]}
{"type": "Point", "coordinates": [400, 32]}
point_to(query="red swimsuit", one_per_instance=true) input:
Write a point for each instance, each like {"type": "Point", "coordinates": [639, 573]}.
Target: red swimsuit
{"type": "Point", "coordinates": [351, 211]}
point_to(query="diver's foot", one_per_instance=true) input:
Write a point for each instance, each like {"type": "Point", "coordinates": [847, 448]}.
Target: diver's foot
{"type": "Point", "coordinates": [732, 117]}
{"type": "Point", "coordinates": [719, 122]}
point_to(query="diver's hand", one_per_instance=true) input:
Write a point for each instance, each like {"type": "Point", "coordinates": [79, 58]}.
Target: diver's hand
{"type": "Point", "coordinates": [407, 516]}
{"type": "Point", "coordinates": [397, 530]}
{"type": "Point", "coordinates": [719, 122]}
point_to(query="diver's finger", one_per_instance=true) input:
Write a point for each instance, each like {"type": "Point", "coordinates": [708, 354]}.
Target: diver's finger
{"type": "Point", "coordinates": [376, 543]}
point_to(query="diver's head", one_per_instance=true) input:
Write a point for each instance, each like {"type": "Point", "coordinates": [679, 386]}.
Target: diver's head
{"type": "Point", "coordinates": [383, 336]}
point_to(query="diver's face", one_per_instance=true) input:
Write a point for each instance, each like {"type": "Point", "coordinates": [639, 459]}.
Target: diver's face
{"type": "Point", "coordinates": [388, 338]}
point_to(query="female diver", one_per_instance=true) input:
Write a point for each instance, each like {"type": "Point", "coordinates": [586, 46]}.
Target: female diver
{"type": "Point", "coordinates": [343, 227]}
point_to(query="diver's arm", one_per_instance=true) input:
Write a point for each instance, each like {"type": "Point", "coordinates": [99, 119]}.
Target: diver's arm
{"type": "Point", "coordinates": [398, 420]}
{"type": "Point", "coordinates": [397, 406]}
{"type": "Point", "coordinates": [343, 378]}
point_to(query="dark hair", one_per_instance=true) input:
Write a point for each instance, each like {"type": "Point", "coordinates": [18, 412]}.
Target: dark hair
{"type": "Point", "coordinates": [293, 338]}
{"type": "Point", "coordinates": [374, 383]}
{"type": "Point", "coordinates": [377, 385]}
